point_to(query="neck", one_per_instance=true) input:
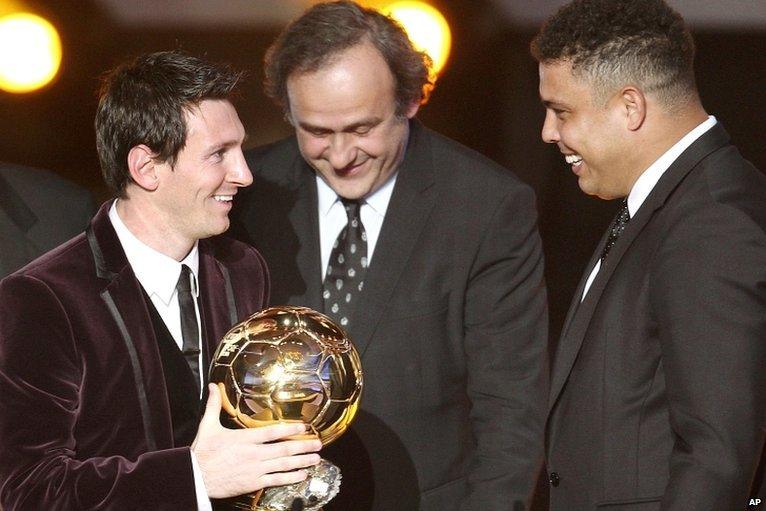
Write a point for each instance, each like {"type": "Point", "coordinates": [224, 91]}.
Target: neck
{"type": "Point", "coordinates": [147, 223]}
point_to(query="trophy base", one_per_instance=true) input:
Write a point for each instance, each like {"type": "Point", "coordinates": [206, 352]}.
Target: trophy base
{"type": "Point", "coordinates": [321, 485]}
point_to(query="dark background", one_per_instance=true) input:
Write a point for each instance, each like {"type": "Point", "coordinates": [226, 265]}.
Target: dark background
{"type": "Point", "coordinates": [486, 99]}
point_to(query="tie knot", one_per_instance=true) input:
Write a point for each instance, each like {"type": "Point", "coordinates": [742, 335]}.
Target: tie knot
{"type": "Point", "coordinates": [352, 208]}
{"type": "Point", "coordinates": [184, 280]}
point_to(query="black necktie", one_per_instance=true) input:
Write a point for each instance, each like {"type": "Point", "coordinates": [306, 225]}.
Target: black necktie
{"type": "Point", "coordinates": [623, 216]}
{"type": "Point", "coordinates": [189, 327]}
{"type": "Point", "coordinates": [346, 268]}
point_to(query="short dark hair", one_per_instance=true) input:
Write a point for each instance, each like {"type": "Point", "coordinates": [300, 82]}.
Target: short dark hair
{"type": "Point", "coordinates": [143, 102]}
{"type": "Point", "coordinates": [327, 29]}
{"type": "Point", "coordinates": [616, 42]}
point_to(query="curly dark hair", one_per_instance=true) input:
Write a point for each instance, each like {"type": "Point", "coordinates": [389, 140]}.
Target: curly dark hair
{"type": "Point", "coordinates": [143, 102]}
{"type": "Point", "coordinates": [327, 29]}
{"type": "Point", "coordinates": [616, 42]}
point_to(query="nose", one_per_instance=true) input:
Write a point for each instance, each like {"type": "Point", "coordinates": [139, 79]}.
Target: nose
{"type": "Point", "coordinates": [340, 153]}
{"type": "Point", "coordinates": [550, 131]}
{"type": "Point", "coordinates": [239, 173]}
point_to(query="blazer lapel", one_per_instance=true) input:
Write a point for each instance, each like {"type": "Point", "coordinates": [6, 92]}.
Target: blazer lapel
{"type": "Point", "coordinates": [123, 298]}
{"type": "Point", "coordinates": [580, 315]}
{"type": "Point", "coordinates": [407, 213]}
{"type": "Point", "coordinates": [16, 218]}
{"type": "Point", "coordinates": [305, 220]}
{"type": "Point", "coordinates": [218, 309]}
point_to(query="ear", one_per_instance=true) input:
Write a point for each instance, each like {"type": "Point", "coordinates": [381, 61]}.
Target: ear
{"type": "Point", "coordinates": [412, 109]}
{"type": "Point", "coordinates": [142, 167]}
{"type": "Point", "coordinates": [633, 103]}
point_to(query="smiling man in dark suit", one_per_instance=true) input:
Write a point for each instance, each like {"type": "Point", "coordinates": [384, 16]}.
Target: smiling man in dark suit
{"type": "Point", "coordinates": [425, 251]}
{"type": "Point", "coordinates": [38, 211]}
{"type": "Point", "coordinates": [104, 340]}
{"type": "Point", "coordinates": [658, 392]}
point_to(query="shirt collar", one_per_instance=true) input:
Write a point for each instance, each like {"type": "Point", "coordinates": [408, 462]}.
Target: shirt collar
{"type": "Point", "coordinates": [649, 178]}
{"type": "Point", "coordinates": [378, 201]}
{"type": "Point", "coordinates": [157, 273]}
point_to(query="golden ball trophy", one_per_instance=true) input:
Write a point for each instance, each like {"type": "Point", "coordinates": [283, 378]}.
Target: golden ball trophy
{"type": "Point", "coordinates": [289, 364]}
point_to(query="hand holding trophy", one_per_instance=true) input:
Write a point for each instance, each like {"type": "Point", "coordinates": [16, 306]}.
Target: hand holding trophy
{"type": "Point", "coordinates": [289, 364]}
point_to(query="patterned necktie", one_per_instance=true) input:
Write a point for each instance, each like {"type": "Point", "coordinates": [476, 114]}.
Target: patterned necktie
{"type": "Point", "coordinates": [623, 217]}
{"type": "Point", "coordinates": [344, 279]}
{"type": "Point", "coordinates": [189, 326]}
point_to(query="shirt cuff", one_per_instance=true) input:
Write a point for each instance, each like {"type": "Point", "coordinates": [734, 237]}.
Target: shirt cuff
{"type": "Point", "coordinates": [203, 501]}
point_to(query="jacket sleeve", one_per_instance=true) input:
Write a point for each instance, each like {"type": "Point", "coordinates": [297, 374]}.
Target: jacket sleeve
{"type": "Point", "coordinates": [41, 375]}
{"type": "Point", "coordinates": [709, 297]}
{"type": "Point", "coordinates": [506, 336]}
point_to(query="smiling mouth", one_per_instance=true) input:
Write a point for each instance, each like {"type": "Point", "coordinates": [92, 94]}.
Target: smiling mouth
{"type": "Point", "coordinates": [223, 198]}
{"type": "Point", "coordinates": [573, 159]}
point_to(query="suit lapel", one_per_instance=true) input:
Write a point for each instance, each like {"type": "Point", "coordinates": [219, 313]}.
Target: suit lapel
{"type": "Point", "coordinates": [581, 314]}
{"type": "Point", "coordinates": [123, 298]}
{"type": "Point", "coordinates": [16, 218]}
{"type": "Point", "coordinates": [305, 220]}
{"type": "Point", "coordinates": [407, 213]}
{"type": "Point", "coordinates": [217, 305]}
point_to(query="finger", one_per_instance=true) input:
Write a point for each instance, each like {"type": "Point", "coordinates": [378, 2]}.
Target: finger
{"type": "Point", "coordinates": [211, 417]}
{"type": "Point", "coordinates": [283, 478]}
{"type": "Point", "coordinates": [289, 463]}
{"type": "Point", "coordinates": [275, 432]}
{"type": "Point", "coordinates": [288, 448]}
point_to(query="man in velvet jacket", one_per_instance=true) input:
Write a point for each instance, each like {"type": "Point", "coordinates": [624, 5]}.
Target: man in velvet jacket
{"type": "Point", "coordinates": [658, 388]}
{"type": "Point", "coordinates": [99, 405]}
{"type": "Point", "coordinates": [450, 316]}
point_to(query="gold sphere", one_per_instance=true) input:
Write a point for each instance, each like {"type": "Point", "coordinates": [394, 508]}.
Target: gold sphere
{"type": "Point", "coordinates": [288, 364]}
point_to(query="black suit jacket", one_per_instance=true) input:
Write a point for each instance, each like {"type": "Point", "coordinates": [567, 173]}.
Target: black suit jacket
{"type": "Point", "coordinates": [451, 326]}
{"type": "Point", "coordinates": [658, 392]}
{"type": "Point", "coordinates": [38, 211]}
{"type": "Point", "coordinates": [85, 417]}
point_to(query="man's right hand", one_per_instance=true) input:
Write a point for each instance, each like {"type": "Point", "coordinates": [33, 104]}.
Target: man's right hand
{"type": "Point", "coordinates": [238, 461]}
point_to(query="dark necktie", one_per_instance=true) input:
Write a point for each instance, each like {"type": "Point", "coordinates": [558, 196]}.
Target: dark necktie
{"type": "Point", "coordinates": [189, 327]}
{"type": "Point", "coordinates": [344, 279]}
{"type": "Point", "coordinates": [622, 219]}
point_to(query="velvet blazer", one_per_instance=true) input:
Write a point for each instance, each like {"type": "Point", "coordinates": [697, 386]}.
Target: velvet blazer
{"type": "Point", "coordinates": [84, 413]}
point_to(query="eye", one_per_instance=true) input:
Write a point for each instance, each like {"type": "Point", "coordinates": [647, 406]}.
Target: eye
{"type": "Point", "coordinates": [362, 130]}
{"type": "Point", "coordinates": [218, 155]}
{"type": "Point", "coordinates": [559, 113]}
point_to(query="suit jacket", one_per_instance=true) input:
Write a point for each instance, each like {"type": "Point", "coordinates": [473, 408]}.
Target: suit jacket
{"type": "Point", "coordinates": [658, 393]}
{"type": "Point", "coordinates": [84, 413]}
{"type": "Point", "coordinates": [451, 326]}
{"type": "Point", "coordinates": [38, 211]}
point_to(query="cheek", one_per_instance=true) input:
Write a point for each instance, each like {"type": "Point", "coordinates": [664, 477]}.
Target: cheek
{"type": "Point", "coordinates": [311, 147]}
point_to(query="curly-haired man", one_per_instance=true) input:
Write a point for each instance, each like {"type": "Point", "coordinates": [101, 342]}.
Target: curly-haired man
{"type": "Point", "coordinates": [658, 393]}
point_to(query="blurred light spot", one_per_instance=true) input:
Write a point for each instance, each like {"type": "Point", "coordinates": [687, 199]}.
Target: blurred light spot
{"type": "Point", "coordinates": [427, 28]}
{"type": "Point", "coordinates": [30, 52]}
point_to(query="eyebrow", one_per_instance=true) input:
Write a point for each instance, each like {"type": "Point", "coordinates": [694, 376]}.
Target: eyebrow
{"type": "Point", "coordinates": [227, 144]}
{"type": "Point", "coordinates": [372, 121]}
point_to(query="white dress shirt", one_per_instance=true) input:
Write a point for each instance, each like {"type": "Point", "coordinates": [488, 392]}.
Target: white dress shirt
{"type": "Point", "coordinates": [332, 217]}
{"type": "Point", "coordinates": [649, 178]}
{"type": "Point", "coordinates": [158, 274]}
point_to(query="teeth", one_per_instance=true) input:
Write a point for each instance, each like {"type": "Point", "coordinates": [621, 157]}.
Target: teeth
{"type": "Point", "coordinates": [223, 198]}
{"type": "Point", "coordinates": [573, 158]}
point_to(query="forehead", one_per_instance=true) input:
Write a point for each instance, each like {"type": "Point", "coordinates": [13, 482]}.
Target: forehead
{"type": "Point", "coordinates": [559, 85]}
{"type": "Point", "coordinates": [214, 119]}
{"type": "Point", "coordinates": [357, 81]}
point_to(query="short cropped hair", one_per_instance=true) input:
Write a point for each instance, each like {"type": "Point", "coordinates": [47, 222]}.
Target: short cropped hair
{"type": "Point", "coordinates": [327, 29]}
{"type": "Point", "coordinates": [613, 43]}
{"type": "Point", "coordinates": [143, 102]}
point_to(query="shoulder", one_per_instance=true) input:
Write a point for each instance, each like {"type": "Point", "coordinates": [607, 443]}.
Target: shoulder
{"type": "Point", "coordinates": [236, 256]}
{"type": "Point", "coordinates": [269, 161]}
{"type": "Point", "coordinates": [465, 171]}
{"type": "Point", "coordinates": [32, 182]}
